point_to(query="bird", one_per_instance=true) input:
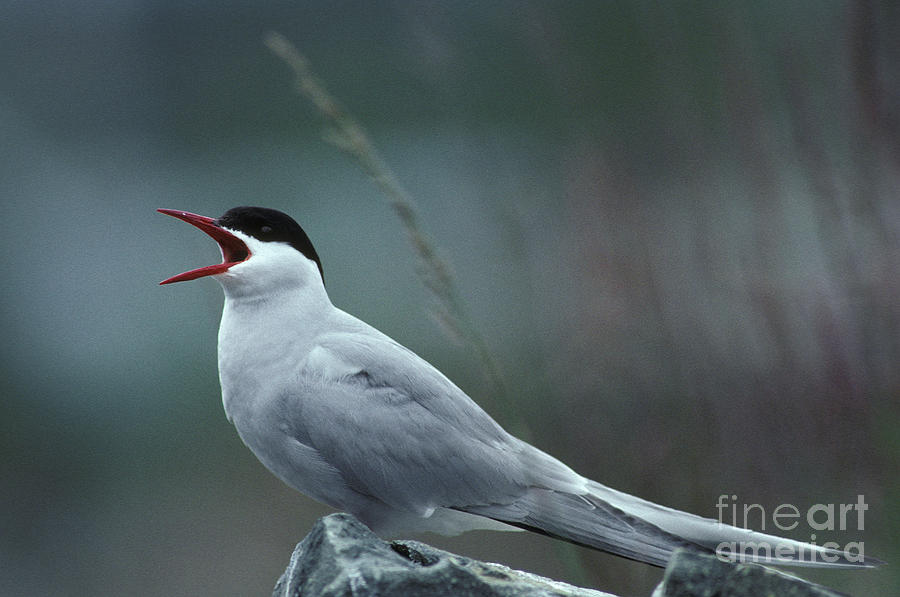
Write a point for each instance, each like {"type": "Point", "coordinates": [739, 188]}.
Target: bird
{"type": "Point", "coordinates": [348, 416]}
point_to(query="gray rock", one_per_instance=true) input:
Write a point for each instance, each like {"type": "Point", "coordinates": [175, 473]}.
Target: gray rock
{"type": "Point", "coordinates": [342, 557]}
{"type": "Point", "coordinates": [691, 574]}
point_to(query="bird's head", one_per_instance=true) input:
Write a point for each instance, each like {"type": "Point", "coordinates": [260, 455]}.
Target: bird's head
{"type": "Point", "coordinates": [262, 249]}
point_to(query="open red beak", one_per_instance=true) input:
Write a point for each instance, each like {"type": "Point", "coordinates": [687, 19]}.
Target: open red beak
{"type": "Point", "coordinates": [234, 250]}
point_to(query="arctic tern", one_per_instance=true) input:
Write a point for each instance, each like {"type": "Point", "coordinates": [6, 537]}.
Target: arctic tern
{"type": "Point", "coordinates": [346, 415]}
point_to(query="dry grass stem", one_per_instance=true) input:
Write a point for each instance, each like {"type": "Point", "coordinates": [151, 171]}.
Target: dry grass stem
{"type": "Point", "coordinates": [346, 134]}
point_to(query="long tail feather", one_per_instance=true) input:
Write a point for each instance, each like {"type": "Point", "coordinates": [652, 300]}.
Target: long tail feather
{"type": "Point", "coordinates": [612, 521]}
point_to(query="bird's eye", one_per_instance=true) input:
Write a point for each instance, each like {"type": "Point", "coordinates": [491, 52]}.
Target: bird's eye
{"type": "Point", "coordinates": [266, 229]}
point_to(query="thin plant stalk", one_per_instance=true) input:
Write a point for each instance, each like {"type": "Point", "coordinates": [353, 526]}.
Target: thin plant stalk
{"type": "Point", "coordinates": [349, 136]}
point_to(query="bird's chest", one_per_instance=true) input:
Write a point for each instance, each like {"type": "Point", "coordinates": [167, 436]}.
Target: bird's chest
{"type": "Point", "coordinates": [257, 365]}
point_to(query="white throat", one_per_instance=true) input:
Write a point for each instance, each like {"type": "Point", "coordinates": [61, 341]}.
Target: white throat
{"type": "Point", "coordinates": [275, 303]}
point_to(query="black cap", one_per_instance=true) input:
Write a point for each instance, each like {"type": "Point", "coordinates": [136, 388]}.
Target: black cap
{"type": "Point", "coordinates": [270, 225]}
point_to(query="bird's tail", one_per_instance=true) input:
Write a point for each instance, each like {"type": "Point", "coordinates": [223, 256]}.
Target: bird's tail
{"type": "Point", "coordinates": [612, 521]}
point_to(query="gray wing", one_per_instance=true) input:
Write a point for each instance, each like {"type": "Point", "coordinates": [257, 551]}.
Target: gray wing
{"type": "Point", "coordinates": [401, 432]}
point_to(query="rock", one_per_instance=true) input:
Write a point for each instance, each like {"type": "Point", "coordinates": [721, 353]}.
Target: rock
{"type": "Point", "coordinates": [691, 574]}
{"type": "Point", "coordinates": [341, 556]}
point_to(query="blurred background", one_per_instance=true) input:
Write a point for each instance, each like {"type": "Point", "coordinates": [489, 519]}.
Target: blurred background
{"type": "Point", "coordinates": [676, 225]}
